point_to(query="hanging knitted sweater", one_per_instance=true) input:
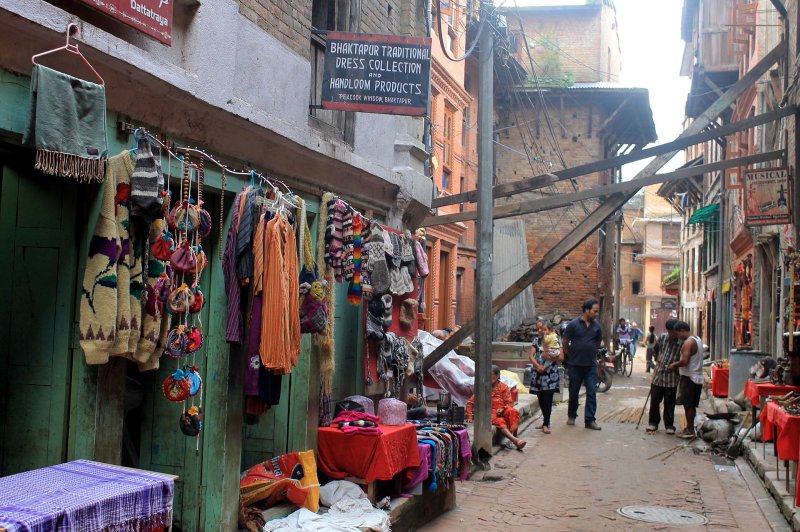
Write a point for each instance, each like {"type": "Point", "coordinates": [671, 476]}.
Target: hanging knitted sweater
{"type": "Point", "coordinates": [98, 318]}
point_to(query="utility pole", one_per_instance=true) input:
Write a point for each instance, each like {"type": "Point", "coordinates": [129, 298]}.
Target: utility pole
{"type": "Point", "coordinates": [618, 271]}
{"type": "Point", "coordinates": [483, 300]}
{"type": "Point", "coordinates": [720, 338]}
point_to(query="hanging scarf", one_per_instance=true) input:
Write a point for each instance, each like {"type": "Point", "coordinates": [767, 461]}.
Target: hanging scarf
{"type": "Point", "coordinates": [67, 125]}
{"type": "Point", "coordinates": [325, 341]}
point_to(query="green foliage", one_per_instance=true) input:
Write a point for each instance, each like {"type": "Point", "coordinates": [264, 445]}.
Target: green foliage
{"type": "Point", "coordinates": [671, 277]}
{"type": "Point", "coordinates": [548, 59]}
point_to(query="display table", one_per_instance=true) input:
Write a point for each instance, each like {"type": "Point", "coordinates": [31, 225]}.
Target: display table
{"type": "Point", "coordinates": [754, 391]}
{"type": "Point", "coordinates": [719, 381]}
{"type": "Point", "coordinates": [367, 457]}
{"type": "Point", "coordinates": [86, 495]}
{"type": "Point", "coordinates": [784, 429]}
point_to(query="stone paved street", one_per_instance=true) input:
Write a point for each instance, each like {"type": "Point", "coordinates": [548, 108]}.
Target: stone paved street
{"type": "Point", "coordinates": [576, 479]}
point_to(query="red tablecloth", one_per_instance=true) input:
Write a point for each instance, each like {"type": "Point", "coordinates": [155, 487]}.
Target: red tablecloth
{"type": "Point", "coordinates": [788, 441]}
{"type": "Point", "coordinates": [719, 381]}
{"type": "Point", "coordinates": [754, 390]}
{"type": "Point", "coordinates": [368, 457]}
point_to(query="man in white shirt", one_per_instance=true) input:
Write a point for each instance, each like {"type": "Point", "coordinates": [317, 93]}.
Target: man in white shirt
{"type": "Point", "coordinates": [690, 368]}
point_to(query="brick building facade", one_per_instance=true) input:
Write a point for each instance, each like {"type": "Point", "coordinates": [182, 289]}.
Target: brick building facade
{"type": "Point", "coordinates": [578, 117]}
{"type": "Point", "coordinates": [450, 287]}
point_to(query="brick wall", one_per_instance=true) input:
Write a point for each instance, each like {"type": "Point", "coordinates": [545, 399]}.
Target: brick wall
{"type": "Point", "coordinates": [572, 41]}
{"type": "Point", "coordinates": [290, 22]}
{"type": "Point", "coordinates": [575, 278]}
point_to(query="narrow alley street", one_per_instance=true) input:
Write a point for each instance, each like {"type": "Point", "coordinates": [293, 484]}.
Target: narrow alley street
{"type": "Point", "coordinates": [576, 479]}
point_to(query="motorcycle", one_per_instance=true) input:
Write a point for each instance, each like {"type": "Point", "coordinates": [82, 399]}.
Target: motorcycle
{"type": "Point", "coordinates": [605, 366]}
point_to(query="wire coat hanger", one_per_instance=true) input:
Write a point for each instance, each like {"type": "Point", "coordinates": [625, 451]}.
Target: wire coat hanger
{"type": "Point", "coordinates": [72, 29]}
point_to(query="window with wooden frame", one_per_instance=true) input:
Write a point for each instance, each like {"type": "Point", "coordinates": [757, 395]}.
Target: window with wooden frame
{"type": "Point", "coordinates": [447, 137]}
{"type": "Point", "coordinates": [329, 15]}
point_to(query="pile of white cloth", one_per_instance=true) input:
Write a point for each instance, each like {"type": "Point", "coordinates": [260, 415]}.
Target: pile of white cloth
{"type": "Point", "coordinates": [349, 511]}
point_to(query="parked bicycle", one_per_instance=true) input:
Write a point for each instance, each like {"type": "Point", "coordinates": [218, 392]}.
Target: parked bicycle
{"type": "Point", "coordinates": [626, 359]}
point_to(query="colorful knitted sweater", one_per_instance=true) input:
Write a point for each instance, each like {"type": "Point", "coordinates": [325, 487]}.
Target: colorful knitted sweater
{"type": "Point", "coordinates": [111, 309]}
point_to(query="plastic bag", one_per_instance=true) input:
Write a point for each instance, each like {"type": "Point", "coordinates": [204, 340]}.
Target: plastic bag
{"type": "Point", "coordinates": [454, 373]}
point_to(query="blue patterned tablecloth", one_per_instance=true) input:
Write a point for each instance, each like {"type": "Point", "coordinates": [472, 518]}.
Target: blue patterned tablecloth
{"type": "Point", "coordinates": [85, 496]}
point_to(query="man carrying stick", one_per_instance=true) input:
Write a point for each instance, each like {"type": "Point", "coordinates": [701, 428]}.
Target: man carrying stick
{"type": "Point", "coordinates": [665, 380]}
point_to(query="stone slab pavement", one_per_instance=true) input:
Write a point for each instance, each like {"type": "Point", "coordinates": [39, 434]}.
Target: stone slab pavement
{"type": "Point", "coordinates": [576, 479]}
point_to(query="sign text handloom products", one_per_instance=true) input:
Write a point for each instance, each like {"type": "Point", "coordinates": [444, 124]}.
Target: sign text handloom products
{"type": "Point", "coordinates": [377, 73]}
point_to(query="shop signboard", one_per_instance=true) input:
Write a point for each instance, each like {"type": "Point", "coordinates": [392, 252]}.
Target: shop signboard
{"type": "Point", "coordinates": [152, 17]}
{"type": "Point", "coordinates": [767, 197]}
{"type": "Point", "coordinates": [384, 74]}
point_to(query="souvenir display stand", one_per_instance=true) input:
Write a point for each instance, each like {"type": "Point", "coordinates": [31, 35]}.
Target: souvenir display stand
{"type": "Point", "coordinates": [783, 428]}
{"type": "Point", "coordinates": [365, 459]}
{"type": "Point", "coordinates": [86, 495]}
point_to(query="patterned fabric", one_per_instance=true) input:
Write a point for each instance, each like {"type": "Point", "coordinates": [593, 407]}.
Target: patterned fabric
{"type": "Point", "coordinates": [83, 496]}
{"type": "Point", "coordinates": [233, 330]}
{"type": "Point", "coordinates": [667, 353]}
{"type": "Point", "coordinates": [548, 380]}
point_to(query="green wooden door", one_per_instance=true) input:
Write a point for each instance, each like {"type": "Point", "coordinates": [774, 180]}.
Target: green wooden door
{"type": "Point", "coordinates": [38, 264]}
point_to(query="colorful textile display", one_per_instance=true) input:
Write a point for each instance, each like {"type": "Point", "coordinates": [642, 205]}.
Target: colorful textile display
{"type": "Point", "coordinates": [111, 314]}
{"type": "Point", "coordinates": [291, 476]}
{"type": "Point", "coordinates": [371, 458]}
{"type": "Point", "coordinates": [85, 495]}
{"type": "Point", "coordinates": [445, 453]}
{"type": "Point", "coordinates": [67, 125]}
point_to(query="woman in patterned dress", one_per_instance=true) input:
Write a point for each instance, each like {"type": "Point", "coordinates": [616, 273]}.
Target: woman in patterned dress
{"type": "Point", "coordinates": [545, 380]}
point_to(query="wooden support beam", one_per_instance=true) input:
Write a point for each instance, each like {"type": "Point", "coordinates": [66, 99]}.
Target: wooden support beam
{"type": "Point", "coordinates": [592, 222]}
{"type": "Point", "coordinates": [536, 182]}
{"type": "Point", "coordinates": [621, 107]}
{"type": "Point", "coordinates": [779, 7]}
{"type": "Point", "coordinates": [564, 200]}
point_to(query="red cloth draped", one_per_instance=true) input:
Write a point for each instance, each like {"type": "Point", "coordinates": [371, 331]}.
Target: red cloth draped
{"type": "Point", "coordinates": [788, 441]}
{"type": "Point", "coordinates": [753, 390]}
{"type": "Point", "coordinates": [368, 457]}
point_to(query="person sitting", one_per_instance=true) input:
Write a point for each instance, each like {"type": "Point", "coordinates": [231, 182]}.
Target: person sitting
{"type": "Point", "coordinates": [504, 416]}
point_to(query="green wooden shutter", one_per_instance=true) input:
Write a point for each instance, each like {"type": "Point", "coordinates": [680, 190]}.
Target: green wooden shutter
{"type": "Point", "coordinates": [38, 265]}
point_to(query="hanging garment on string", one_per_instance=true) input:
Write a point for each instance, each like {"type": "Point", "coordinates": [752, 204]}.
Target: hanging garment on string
{"type": "Point", "coordinates": [280, 324]}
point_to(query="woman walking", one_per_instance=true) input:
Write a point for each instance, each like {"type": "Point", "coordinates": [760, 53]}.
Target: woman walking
{"type": "Point", "coordinates": [545, 381]}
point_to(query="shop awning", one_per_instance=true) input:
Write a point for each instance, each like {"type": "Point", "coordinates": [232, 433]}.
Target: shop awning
{"type": "Point", "coordinates": [705, 214]}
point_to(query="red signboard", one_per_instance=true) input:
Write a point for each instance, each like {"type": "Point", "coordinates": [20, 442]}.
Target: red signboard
{"type": "Point", "coordinates": [153, 17]}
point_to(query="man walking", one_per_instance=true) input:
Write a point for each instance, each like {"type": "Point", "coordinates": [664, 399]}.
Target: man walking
{"type": "Point", "coordinates": [636, 334]}
{"type": "Point", "coordinates": [690, 367]}
{"type": "Point", "coordinates": [581, 339]}
{"type": "Point", "coordinates": [665, 381]}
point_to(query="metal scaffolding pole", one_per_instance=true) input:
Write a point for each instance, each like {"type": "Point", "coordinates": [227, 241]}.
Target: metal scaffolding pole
{"type": "Point", "coordinates": [483, 306]}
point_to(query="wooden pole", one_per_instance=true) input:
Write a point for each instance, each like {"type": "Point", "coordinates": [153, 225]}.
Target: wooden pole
{"type": "Point", "coordinates": [482, 433]}
{"type": "Point", "coordinates": [593, 221]}
{"type": "Point", "coordinates": [681, 142]}
{"type": "Point", "coordinates": [563, 200]}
